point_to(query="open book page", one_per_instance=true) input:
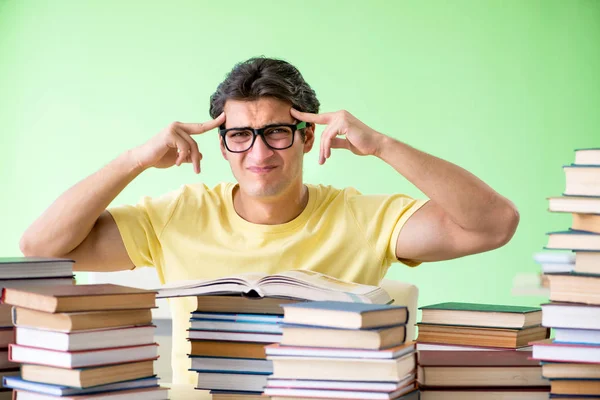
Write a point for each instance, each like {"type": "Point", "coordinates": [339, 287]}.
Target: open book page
{"type": "Point", "coordinates": [313, 285]}
{"type": "Point", "coordinates": [295, 284]}
{"type": "Point", "coordinates": [236, 284]}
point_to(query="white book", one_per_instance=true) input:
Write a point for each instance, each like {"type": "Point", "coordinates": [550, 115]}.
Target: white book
{"type": "Point", "coordinates": [337, 394]}
{"type": "Point", "coordinates": [561, 352]}
{"type": "Point", "coordinates": [570, 315]}
{"type": "Point", "coordinates": [15, 382]}
{"type": "Point", "coordinates": [134, 394]}
{"type": "Point", "coordinates": [583, 336]}
{"type": "Point", "coordinates": [234, 326]}
{"type": "Point", "coordinates": [229, 381]}
{"type": "Point", "coordinates": [223, 364]}
{"type": "Point", "coordinates": [234, 336]}
{"type": "Point", "coordinates": [85, 340]}
{"type": "Point", "coordinates": [81, 359]}
{"type": "Point", "coordinates": [35, 267]}
{"type": "Point", "coordinates": [554, 257]}
{"type": "Point", "coordinates": [293, 284]}
{"type": "Point", "coordinates": [340, 385]}
{"type": "Point", "coordinates": [323, 352]}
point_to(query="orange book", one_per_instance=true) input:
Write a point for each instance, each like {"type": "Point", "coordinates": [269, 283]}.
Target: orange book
{"type": "Point", "coordinates": [478, 336]}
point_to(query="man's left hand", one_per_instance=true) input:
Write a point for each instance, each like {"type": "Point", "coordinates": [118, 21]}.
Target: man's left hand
{"type": "Point", "coordinates": [358, 137]}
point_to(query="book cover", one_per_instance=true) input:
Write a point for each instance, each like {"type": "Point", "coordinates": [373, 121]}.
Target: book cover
{"type": "Point", "coordinates": [480, 359]}
{"type": "Point", "coordinates": [457, 306]}
{"type": "Point", "coordinates": [359, 308]}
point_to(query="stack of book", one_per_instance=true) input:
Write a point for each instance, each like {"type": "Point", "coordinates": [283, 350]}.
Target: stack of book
{"type": "Point", "coordinates": [18, 272]}
{"type": "Point", "coordinates": [479, 351]}
{"type": "Point", "coordinates": [228, 335]}
{"type": "Point", "coordinates": [85, 341]}
{"type": "Point", "coordinates": [572, 359]}
{"type": "Point", "coordinates": [341, 350]}
{"type": "Point", "coordinates": [238, 316]}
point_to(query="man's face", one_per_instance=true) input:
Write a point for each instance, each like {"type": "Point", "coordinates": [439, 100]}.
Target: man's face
{"type": "Point", "coordinates": [262, 171]}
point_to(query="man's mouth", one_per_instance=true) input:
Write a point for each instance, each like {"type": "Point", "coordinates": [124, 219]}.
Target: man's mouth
{"type": "Point", "coordinates": [262, 170]}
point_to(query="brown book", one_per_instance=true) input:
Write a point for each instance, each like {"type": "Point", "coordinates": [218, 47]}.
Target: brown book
{"type": "Point", "coordinates": [575, 288]}
{"type": "Point", "coordinates": [69, 322]}
{"type": "Point", "coordinates": [215, 348]}
{"type": "Point", "coordinates": [69, 298]}
{"type": "Point", "coordinates": [476, 336]}
{"type": "Point", "coordinates": [575, 387]}
{"type": "Point", "coordinates": [87, 377]}
{"type": "Point", "coordinates": [565, 370]}
{"type": "Point", "coordinates": [242, 304]}
{"type": "Point", "coordinates": [472, 369]}
{"type": "Point", "coordinates": [371, 339]}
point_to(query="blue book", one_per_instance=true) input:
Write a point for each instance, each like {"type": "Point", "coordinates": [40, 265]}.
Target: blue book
{"type": "Point", "coordinates": [339, 314]}
{"type": "Point", "coordinates": [240, 317]}
{"type": "Point", "coordinates": [14, 382]}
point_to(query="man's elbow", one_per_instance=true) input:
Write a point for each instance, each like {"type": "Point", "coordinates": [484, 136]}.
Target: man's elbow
{"type": "Point", "coordinates": [508, 221]}
{"type": "Point", "coordinates": [26, 246]}
{"type": "Point", "coordinates": [29, 248]}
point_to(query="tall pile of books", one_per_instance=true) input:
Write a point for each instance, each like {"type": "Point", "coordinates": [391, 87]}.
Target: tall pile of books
{"type": "Point", "coordinates": [341, 350]}
{"type": "Point", "coordinates": [479, 351]}
{"type": "Point", "coordinates": [82, 341]}
{"type": "Point", "coordinates": [572, 359]}
{"type": "Point", "coordinates": [238, 317]}
{"type": "Point", "coordinates": [228, 335]}
{"type": "Point", "coordinates": [18, 272]}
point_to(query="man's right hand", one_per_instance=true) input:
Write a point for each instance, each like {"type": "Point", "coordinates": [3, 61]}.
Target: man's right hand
{"type": "Point", "coordinates": [174, 145]}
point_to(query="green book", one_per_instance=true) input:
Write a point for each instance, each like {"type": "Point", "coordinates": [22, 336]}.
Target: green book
{"type": "Point", "coordinates": [481, 307]}
{"type": "Point", "coordinates": [481, 315]}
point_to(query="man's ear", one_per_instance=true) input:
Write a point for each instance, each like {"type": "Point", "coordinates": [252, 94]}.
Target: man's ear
{"type": "Point", "coordinates": [223, 149]}
{"type": "Point", "coordinates": [309, 137]}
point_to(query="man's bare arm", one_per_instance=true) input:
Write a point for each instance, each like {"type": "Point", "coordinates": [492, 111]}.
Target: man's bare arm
{"type": "Point", "coordinates": [77, 224]}
{"type": "Point", "coordinates": [464, 215]}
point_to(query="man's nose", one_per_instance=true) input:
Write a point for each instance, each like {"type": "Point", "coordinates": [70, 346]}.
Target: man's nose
{"type": "Point", "coordinates": [260, 150]}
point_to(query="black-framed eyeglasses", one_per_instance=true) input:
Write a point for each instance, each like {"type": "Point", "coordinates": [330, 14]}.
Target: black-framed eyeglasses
{"type": "Point", "coordinates": [276, 136]}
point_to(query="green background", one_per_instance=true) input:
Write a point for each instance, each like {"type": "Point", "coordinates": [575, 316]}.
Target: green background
{"type": "Point", "coordinates": [505, 89]}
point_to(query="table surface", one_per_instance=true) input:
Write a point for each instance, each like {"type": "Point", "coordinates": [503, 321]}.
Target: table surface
{"type": "Point", "coordinates": [186, 392]}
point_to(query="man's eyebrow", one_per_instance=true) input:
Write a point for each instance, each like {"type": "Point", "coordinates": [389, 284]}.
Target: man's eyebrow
{"type": "Point", "coordinates": [264, 126]}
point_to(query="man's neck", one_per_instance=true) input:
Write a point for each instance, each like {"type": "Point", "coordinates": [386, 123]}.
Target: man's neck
{"type": "Point", "coordinates": [277, 211]}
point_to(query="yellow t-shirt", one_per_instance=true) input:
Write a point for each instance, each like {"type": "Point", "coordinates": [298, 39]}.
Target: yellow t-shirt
{"type": "Point", "coordinates": [195, 233]}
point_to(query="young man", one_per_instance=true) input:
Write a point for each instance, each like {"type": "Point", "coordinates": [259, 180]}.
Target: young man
{"type": "Point", "coordinates": [270, 220]}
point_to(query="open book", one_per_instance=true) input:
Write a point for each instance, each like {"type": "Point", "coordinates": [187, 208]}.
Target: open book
{"type": "Point", "coordinates": [296, 284]}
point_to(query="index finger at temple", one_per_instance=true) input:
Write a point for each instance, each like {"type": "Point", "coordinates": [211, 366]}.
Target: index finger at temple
{"type": "Point", "coordinates": [198, 128]}
{"type": "Point", "coordinates": [322, 119]}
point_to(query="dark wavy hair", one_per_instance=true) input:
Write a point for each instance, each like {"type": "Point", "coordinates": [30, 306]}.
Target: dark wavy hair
{"type": "Point", "coordinates": [264, 77]}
